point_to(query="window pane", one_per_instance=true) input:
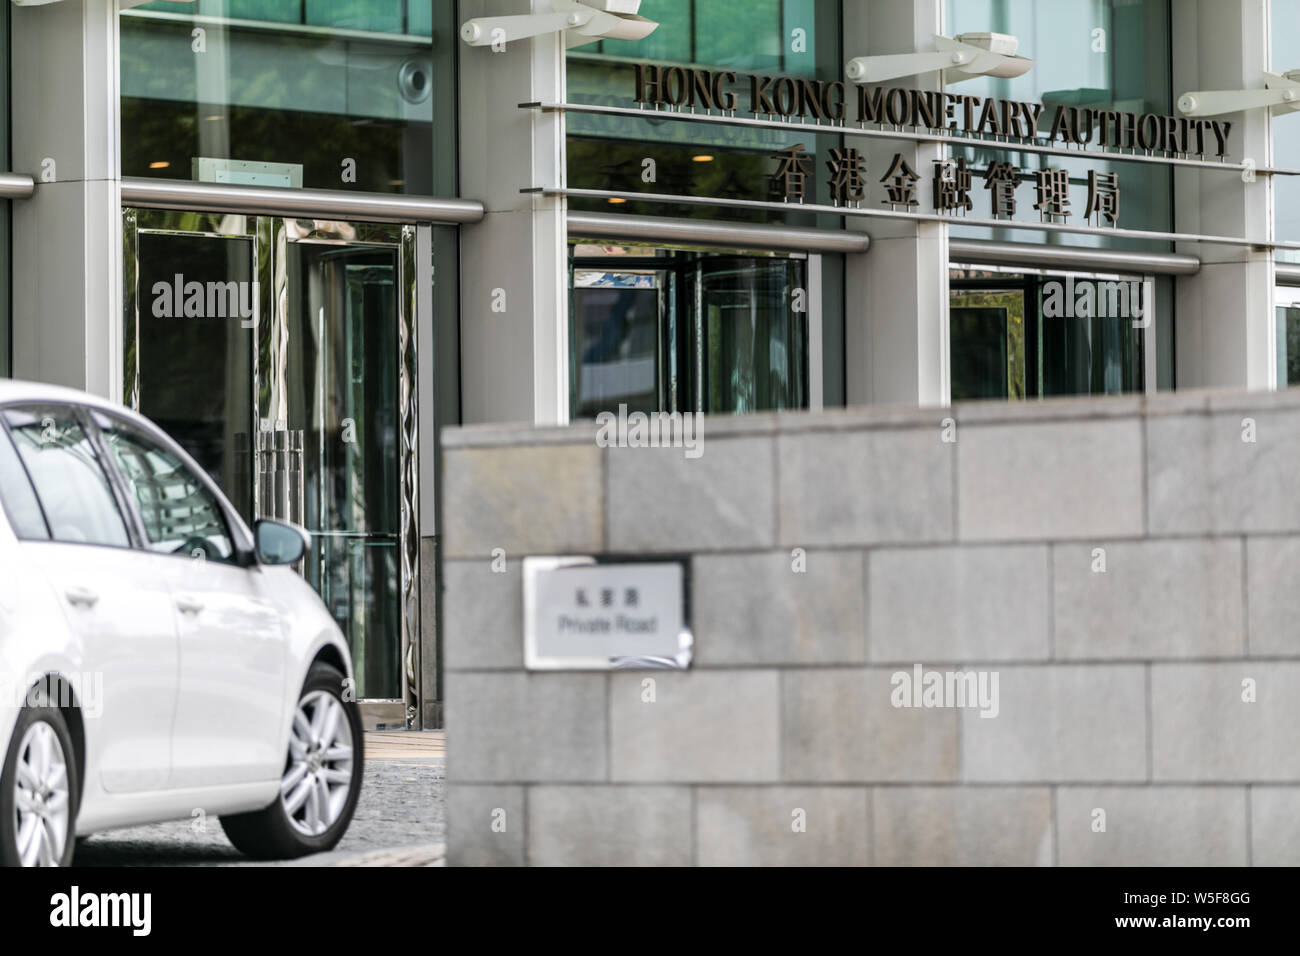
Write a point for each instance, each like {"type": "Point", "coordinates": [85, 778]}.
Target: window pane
{"type": "Point", "coordinates": [19, 499]}
{"type": "Point", "coordinates": [756, 47]}
{"type": "Point", "coordinates": [180, 515]}
{"type": "Point", "coordinates": [324, 94]}
{"type": "Point", "coordinates": [1288, 345]}
{"type": "Point", "coordinates": [1284, 25]}
{"type": "Point", "coordinates": [378, 16]}
{"type": "Point", "coordinates": [797, 38]}
{"type": "Point", "coordinates": [1092, 54]}
{"type": "Point", "coordinates": [69, 479]}
{"type": "Point", "coordinates": [196, 373]}
{"type": "Point", "coordinates": [754, 342]}
{"type": "Point", "coordinates": [616, 341]}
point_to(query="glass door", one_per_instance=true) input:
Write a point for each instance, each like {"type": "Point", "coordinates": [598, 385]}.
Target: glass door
{"type": "Point", "coordinates": [1030, 335]}
{"type": "Point", "coordinates": [686, 331]}
{"type": "Point", "coordinates": [280, 354]}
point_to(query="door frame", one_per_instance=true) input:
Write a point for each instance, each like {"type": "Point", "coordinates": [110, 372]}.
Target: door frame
{"type": "Point", "coordinates": [270, 235]}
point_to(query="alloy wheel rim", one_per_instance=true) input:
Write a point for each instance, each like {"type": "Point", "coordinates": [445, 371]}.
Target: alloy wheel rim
{"type": "Point", "coordinates": [318, 774]}
{"type": "Point", "coordinates": [42, 808]}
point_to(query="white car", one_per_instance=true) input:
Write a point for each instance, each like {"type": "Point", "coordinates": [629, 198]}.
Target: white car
{"type": "Point", "coordinates": [158, 660]}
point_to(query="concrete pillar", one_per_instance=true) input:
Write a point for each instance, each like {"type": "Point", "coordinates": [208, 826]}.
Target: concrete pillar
{"type": "Point", "coordinates": [514, 265]}
{"type": "Point", "coordinates": [1224, 326]}
{"type": "Point", "coordinates": [896, 296]}
{"type": "Point", "coordinates": [67, 250]}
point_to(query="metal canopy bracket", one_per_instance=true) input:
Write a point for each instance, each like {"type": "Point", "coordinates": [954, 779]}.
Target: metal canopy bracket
{"type": "Point", "coordinates": [1281, 94]}
{"type": "Point", "coordinates": [964, 58]}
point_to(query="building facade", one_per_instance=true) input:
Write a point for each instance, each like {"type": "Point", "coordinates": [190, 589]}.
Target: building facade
{"type": "Point", "coordinates": [305, 235]}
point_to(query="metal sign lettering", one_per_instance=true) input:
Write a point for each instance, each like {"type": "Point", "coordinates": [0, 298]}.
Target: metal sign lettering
{"type": "Point", "coordinates": [807, 99]}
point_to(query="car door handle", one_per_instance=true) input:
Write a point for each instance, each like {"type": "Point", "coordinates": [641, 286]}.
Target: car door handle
{"type": "Point", "coordinates": [188, 604]}
{"type": "Point", "coordinates": [82, 596]}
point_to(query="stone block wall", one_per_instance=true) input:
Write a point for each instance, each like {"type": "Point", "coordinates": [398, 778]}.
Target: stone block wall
{"type": "Point", "coordinates": [1128, 568]}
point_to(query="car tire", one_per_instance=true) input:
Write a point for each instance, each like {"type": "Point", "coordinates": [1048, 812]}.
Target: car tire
{"type": "Point", "coordinates": [38, 806]}
{"type": "Point", "coordinates": [312, 811]}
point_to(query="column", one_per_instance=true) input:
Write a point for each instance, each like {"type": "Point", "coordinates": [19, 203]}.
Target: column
{"type": "Point", "coordinates": [514, 264]}
{"type": "Point", "coordinates": [1224, 320]}
{"type": "Point", "coordinates": [896, 296]}
{"type": "Point", "coordinates": [67, 248]}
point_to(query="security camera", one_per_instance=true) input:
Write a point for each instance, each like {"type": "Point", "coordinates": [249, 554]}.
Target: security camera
{"type": "Point", "coordinates": [415, 80]}
{"type": "Point", "coordinates": [967, 56]}
{"type": "Point", "coordinates": [580, 22]}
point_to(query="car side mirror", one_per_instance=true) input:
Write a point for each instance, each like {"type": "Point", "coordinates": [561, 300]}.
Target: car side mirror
{"type": "Point", "coordinates": [279, 542]}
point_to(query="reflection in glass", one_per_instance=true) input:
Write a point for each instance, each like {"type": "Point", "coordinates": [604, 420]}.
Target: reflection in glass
{"type": "Point", "coordinates": [1004, 344]}
{"type": "Point", "coordinates": [340, 376]}
{"type": "Point", "coordinates": [18, 496]}
{"type": "Point", "coordinates": [195, 371]}
{"type": "Point", "coordinates": [69, 480]}
{"type": "Point", "coordinates": [1284, 27]}
{"type": "Point", "coordinates": [327, 435]}
{"type": "Point", "coordinates": [606, 152]}
{"type": "Point", "coordinates": [988, 344]}
{"type": "Point", "coordinates": [754, 341]}
{"type": "Point", "coordinates": [180, 515]}
{"type": "Point", "coordinates": [665, 330]}
{"type": "Point", "coordinates": [1104, 54]}
{"type": "Point", "coordinates": [297, 83]}
{"type": "Point", "coordinates": [618, 322]}
{"type": "Point", "coordinates": [1288, 342]}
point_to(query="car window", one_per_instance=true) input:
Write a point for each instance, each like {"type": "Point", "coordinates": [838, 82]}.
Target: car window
{"type": "Point", "coordinates": [16, 492]}
{"type": "Point", "coordinates": [181, 516]}
{"type": "Point", "coordinates": [69, 479]}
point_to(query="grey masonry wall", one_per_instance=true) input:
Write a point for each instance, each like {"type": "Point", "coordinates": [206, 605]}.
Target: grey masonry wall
{"type": "Point", "coordinates": [971, 544]}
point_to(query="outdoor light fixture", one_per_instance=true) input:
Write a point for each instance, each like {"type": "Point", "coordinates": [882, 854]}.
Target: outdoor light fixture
{"type": "Point", "coordinates": [580, 22]}
{"type": "Point", "coordinates": [1281, 94]}
{"type": "Point", "coordinates": [968, 56]}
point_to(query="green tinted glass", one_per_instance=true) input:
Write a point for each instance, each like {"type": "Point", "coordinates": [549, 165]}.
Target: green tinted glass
{"type": "Point", "coordinates": [326, 94]}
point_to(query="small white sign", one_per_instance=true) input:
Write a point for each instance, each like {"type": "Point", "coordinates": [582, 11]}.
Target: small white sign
{"type": "Point", "coordinates": [580, 615]}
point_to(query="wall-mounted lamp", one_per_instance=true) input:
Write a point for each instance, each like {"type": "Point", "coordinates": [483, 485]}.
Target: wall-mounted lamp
{"type": "Point", "coordinates": [580, 22]}
{"type": "Point", "coordinates": [1281, 94]}
{"type": "Point", "coordinates": [967, 56]}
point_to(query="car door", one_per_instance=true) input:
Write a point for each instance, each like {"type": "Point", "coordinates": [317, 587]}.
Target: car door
{"type": "Point", "coordinates": [232, 646]}
{"type": "Point", "coordinates": [112, 594]}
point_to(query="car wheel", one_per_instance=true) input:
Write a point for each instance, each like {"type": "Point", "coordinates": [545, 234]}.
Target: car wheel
{"type": "Point", "coordinates": [321, 779]}
{"type": "Point", "coordinates": [38, 790]}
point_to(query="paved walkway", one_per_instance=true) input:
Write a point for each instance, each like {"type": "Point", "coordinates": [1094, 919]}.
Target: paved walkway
{"type": "Point", "coordinates": [399, 819]}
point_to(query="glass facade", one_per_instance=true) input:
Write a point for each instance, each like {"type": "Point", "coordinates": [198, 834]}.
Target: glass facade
{"type": "Point", "coordinates": [797, 38]}
{"type": "Point", "coordinates": [1104, 54]}
{"type": "Point", "coordinates": [1036, 336]}
{"type": "Point", "coordinates": [1284, 25]}
{"type": "Point", "coordinates": [661, 330]}
{"type": "Point", "coordinates": [324, 94]}
{"type": "Point", "coordinates": [297, 416]}
{"type": "Point", "coordinates": [695, 330]}
{"type": "Point", "coordinates": [1287, 308]}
